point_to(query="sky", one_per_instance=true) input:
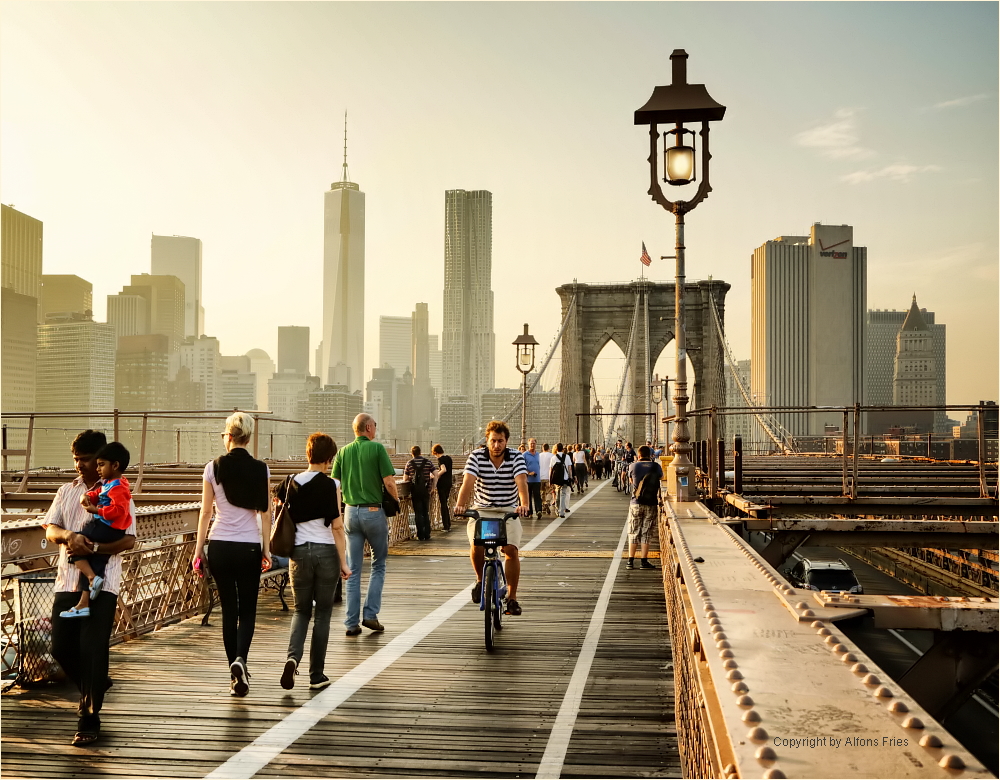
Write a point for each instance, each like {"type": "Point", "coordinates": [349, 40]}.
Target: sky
{"type": "Point", "coordinates": [224, 121]}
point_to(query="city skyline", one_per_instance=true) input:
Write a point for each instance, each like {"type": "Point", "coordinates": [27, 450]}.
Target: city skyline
{"type": "Point", "coordinates": [86, 98]}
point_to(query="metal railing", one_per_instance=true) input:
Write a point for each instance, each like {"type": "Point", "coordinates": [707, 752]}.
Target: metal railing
{"type": "Point", "coordinates": [116, 417]}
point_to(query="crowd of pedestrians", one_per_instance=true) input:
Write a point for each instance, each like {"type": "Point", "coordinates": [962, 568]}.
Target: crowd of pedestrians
{"type": "Point", "coordinates": [337, 505]}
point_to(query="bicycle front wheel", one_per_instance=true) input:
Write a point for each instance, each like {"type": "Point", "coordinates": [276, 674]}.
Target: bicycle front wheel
{"type": "Point", "coordinates": [490, 603]}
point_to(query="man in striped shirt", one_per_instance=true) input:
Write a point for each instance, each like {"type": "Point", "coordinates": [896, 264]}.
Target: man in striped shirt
{"type": "Point", "coordinates": [496, 476]}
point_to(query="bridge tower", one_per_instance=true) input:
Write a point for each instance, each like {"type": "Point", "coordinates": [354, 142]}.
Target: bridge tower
{"type": "Point", "coordinates": [604, 312]}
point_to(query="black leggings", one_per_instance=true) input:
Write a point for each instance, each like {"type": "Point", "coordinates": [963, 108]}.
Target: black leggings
{"type": "Point", "coordinates": [235, 566]}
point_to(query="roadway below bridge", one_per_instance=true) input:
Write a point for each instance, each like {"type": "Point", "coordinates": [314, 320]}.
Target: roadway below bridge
{"type": "Point", "coordinates": [580, 685]}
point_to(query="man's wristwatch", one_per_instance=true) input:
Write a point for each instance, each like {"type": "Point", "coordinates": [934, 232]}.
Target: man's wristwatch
{"type": "Point", "coordinates": [96, 547]}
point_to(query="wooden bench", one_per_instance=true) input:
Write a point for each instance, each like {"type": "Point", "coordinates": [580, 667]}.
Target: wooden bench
{"type": "Point", "coordinates": [275, 579]}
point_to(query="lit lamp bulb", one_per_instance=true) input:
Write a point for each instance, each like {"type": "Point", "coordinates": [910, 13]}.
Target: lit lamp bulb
{"type": "Point", "coordinates": [525, 357]}
{"type": "Point", "coordinates": [678, 162]}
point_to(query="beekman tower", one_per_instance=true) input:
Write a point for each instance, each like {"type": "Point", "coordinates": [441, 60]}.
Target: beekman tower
{"type": "Point", "coordinates": [467, 339]}
{"type": "Point", "coordinates": [343, 353]}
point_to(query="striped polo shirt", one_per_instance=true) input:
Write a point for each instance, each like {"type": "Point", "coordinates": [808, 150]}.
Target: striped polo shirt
{"type": "Point", "coordinates": [495, 486]}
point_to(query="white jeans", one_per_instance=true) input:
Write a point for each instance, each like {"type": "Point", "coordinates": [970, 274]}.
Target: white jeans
{"type": "Point", "coordinates": [564, 491]}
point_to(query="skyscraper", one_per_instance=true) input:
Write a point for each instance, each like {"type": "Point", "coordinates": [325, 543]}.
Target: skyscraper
{"type": "Point", "coordinates": [914, 379]}
{"type": "Point", "coordinates": [76, 373]}
{"type": "Point", "coordinates": [180, 256]}
{"type": "Point", "coordinates": [808, 324]}
{"type": "Point", "coordinates": [882, 329]}
{"type": "Point", "coordinates": [293, 349]}
{"type": "Point", "coordinates": [344, 283]}
{"type": "Point", "coordinates": [66, 294]}
{"type": "Point", "coordinates": [395, 343]}
{"type": "Point", "coordinates": [21, 252]}
{"type": "Point", "coordinates": [163, 312]}
{"type": "Point", "coordinates": [467, 339]}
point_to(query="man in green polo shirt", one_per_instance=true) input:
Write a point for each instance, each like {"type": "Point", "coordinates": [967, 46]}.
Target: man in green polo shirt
{"type": "Point", "coordinates": [363, 467]}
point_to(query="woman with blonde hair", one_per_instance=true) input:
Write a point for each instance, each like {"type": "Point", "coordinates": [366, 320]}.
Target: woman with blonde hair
{"type": "Point", "coordinates": [238, 548]}
{"type": "Point", "coordinates": [319, 558]}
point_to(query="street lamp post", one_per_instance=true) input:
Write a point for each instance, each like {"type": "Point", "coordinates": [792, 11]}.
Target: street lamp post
{"type": "Point", "coordinates": [677, 103]}
{"type": "Point", "coordinates": [656, 395]}
{"type": "Point", "coordinates": [524, 346]}
{"type": "Point", "coordinates": [598, 412]}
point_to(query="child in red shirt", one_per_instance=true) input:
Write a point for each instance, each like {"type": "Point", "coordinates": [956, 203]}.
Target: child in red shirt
{"type": "Point", "coordinates": [110, 503]}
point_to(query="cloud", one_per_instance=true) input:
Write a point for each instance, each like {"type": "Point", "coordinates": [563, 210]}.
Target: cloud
{"type": "Point", "coordinates": [837, 139]}
{"type": "Point", "coordinates": [959, 102]}
{"type": "Point", "coordinates": [900, 172]}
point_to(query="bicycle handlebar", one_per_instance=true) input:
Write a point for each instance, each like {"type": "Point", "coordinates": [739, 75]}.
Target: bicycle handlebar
{"type": "Point", "coordinates": [474, 514]}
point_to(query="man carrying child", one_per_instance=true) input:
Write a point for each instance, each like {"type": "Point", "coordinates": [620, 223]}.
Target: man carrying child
{"type": "Point", "coordinates": [110, 506]}
{"type": "Point", "coordinates": [81, 646]}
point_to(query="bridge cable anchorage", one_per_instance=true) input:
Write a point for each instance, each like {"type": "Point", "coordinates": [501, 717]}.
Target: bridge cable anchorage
{"type": "Point", "coordinates": [770, 424]}
{"type": "Point", "coordinates": [628, 362]}
{"type": "Point", "coordinates": [538, 375]}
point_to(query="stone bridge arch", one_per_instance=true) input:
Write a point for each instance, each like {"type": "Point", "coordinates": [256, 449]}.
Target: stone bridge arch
{"type": "Point", "coordinates": [603, 312]}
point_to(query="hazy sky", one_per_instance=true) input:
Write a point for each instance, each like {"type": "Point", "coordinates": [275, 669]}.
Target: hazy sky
{"type": "Point", "coordinates": [224, 121]}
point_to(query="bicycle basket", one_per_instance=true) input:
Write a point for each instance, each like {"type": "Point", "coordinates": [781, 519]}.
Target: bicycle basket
{"type": "Point", "coordinates": [490, 530]}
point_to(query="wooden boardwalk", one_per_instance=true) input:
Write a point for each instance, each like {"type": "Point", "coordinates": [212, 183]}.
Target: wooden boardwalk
{"type": "Point", "coordinates": [422, 699]}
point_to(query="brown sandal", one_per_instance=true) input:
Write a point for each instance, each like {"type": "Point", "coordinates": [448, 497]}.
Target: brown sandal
{"type": "Point", "coordinates": [84, 738]}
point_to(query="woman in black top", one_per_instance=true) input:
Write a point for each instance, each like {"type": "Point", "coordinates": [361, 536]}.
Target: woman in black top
{"type": "Point", "coordinates": [318, 560]}
{"type": "Point", "coordinates": [443, 474]}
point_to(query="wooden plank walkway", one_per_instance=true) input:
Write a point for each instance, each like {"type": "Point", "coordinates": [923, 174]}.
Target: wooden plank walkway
{"type": "Point", "coordinates": [444, 708]}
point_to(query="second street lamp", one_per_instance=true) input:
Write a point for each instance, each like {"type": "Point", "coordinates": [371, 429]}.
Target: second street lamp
{"type": "Point", "coordinates": [677, 103]}
{"type": "Point", "coordinates": [525, 345]}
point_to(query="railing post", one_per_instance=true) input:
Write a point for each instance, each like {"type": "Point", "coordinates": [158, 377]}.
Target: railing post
{"type": "Point", "coordinates": [844, 487]}
{"type": "Point", "coordinates": [713, 480]}
{"type": "Point", "coordinates": [984, 491]}
{"type": "Point", "coordinates": [178, 445]}
{"type": "Point", "coordinates": [857, 433]}
{"type": "Point", "coordinates": [720, 449]}
{"type": "Point", "coordinates": [23, 487]}
{"type": "Point", "coordinates": [256, 433]}
{"type": "Point", "coordinates": [930, 453]}
{"type": "Point", "coordinates": [116, 426]}
{"type": "Point", "coordinates": [738, 465]}
{"type": "Point", "coordinates": [142, 454]}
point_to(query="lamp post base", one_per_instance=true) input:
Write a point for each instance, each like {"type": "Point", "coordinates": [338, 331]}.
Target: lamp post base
{"type": "Point", "coordinates": [680, 479]}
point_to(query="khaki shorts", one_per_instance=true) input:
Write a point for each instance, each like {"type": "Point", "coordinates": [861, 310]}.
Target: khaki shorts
{"type": "Point", "coordinates": [514, 531]}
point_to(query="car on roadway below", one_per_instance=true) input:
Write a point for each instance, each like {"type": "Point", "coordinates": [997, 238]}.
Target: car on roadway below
{"type": "Point", "coordinates": [834, 576]}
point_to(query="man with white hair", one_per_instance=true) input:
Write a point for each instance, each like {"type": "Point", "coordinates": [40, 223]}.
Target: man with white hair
{"type": "Point", "coordinates": [363, 468]}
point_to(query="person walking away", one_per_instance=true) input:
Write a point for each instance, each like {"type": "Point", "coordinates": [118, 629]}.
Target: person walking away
{"type": "Point", "coordinates": [363, 468]}
{"type": "Point", "coordinates": [318, 560]}
{"type": "Point", "coordinates": [82, 646]}
{"type": "Point", "coordinates": [644, 477]}
{"type": "Point", "coordinates": [110, 514]}
{"type": "Point", "coordinates": [561, 477]}
{"type": "Point", "coordinates": [236, 484]}
{"type": "Point", "coordinates": [532, 461]}
{"type": "Point", "coordinates": [544, 466]}
{"type": "Point", "coordinates": [496, 477]}
{"type": "Point", "coordinates": [443, 482]}
{"type": "Point", "coordinates": [419, 472]}
{"type": "Point", "coordinates": [580, 467]}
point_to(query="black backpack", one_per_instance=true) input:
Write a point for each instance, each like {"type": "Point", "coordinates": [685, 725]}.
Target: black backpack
{"type": "Point", "coordinates": [647, 492]}
{"type": "Point", "coordinates": [420, 473]}
{"type": "Point", "coordinates": [558, 475]}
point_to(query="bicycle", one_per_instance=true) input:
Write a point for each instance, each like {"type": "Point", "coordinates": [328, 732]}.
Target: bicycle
{"type": "Point", "coordinates": [491, 534]}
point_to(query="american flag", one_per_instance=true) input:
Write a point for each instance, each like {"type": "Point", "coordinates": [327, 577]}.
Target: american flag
{"type": "Point", "coordinates": [645, 259]}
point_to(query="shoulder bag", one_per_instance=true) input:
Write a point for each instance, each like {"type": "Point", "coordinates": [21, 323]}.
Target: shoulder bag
{"type": "Point", "coordinates": [283, 527]}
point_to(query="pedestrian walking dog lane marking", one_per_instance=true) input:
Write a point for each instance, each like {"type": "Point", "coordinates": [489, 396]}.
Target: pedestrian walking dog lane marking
{"type": "Point", "coordinates": [265, 748]}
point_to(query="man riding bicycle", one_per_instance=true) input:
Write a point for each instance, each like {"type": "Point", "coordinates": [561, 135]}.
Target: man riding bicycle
{"type": "Point", "coordinates": [496, 476]}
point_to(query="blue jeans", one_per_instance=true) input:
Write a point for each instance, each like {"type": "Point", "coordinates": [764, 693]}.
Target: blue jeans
{"type": "Point", "coordinates": [365, 524]}
{"type": "Point", "coordinates": [315, 569]}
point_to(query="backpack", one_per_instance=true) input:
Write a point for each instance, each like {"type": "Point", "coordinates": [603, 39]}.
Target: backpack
{"type": "Point", "coordinates": [558, 475]}
{"type": "Point", "coordinates": [647, 492]}
{"type": "Point", "coordinates": [420, 473]}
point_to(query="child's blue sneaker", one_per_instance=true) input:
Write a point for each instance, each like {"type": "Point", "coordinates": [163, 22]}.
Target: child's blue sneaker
{"type": "Point", "coordinates": [96, 586]}
{"type": "Point", "coordinates": [75, 612]}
